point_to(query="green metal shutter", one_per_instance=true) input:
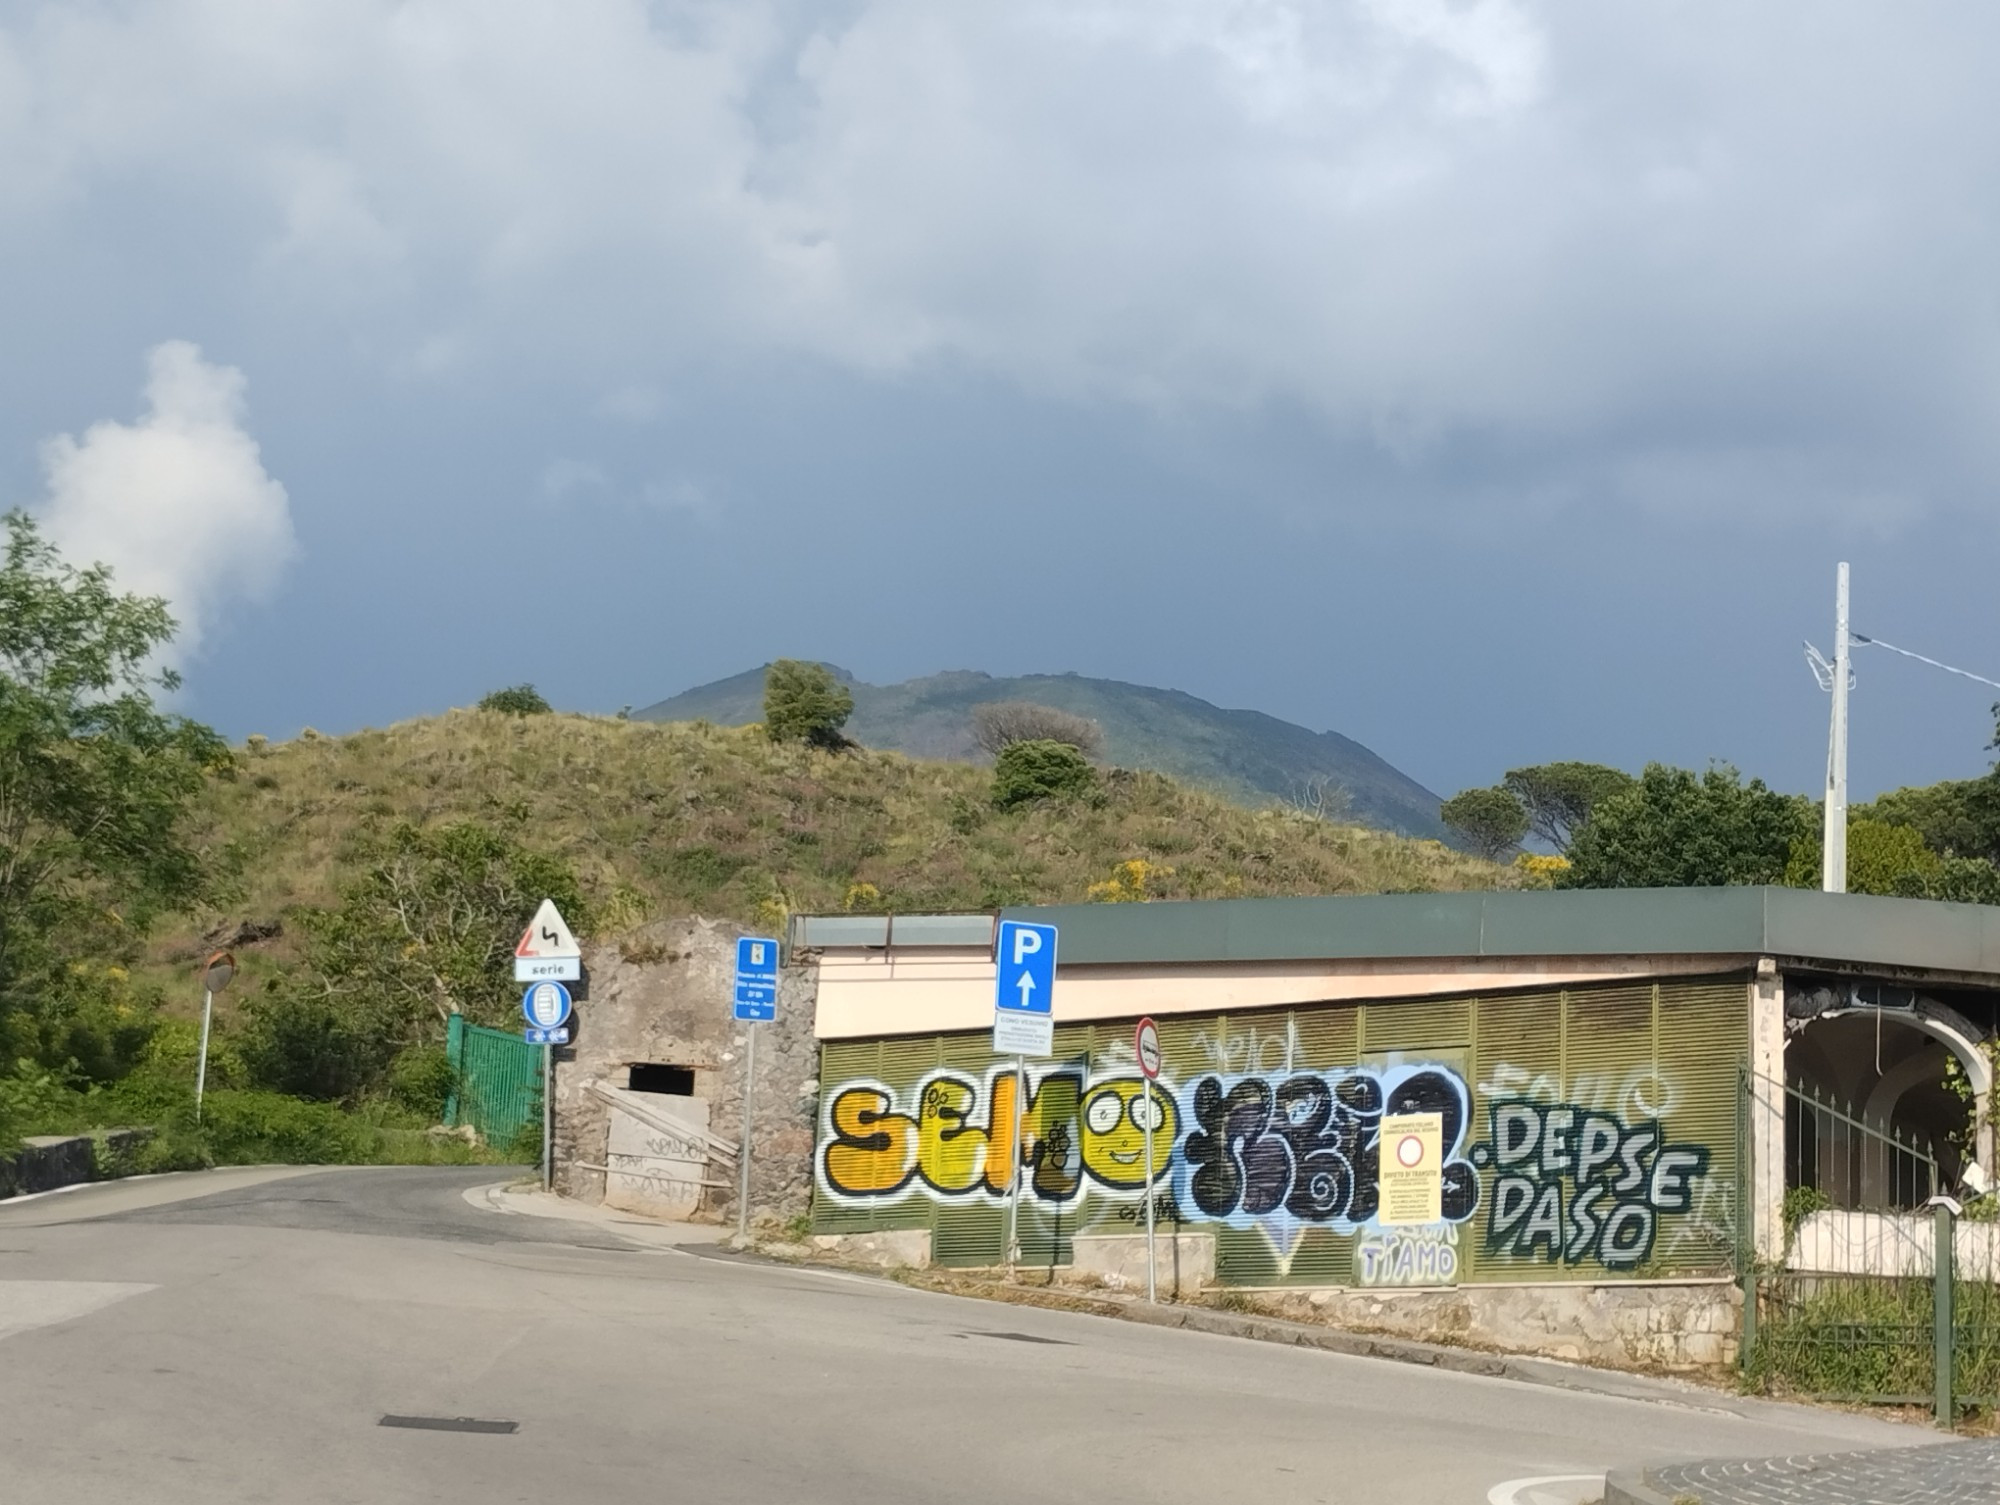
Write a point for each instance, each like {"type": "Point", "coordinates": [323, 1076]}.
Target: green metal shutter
{"type": "Point", "coordinates": [1703, 1047]}
{"type": "Point", "coordinates": [1517, 1044]}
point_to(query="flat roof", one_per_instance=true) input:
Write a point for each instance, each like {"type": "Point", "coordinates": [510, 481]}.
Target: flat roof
{"type": "Point", "coordinates": [1783, 922]}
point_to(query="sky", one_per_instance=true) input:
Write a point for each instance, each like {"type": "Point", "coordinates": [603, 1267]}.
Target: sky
{"type": "Point", "coordinates": [1487, 380]}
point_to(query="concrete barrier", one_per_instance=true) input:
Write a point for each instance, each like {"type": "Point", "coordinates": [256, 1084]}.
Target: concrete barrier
{"type": "Point", "coordinates": [47, 1162]}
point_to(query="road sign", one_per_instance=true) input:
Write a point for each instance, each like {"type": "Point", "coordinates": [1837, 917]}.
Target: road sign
{"type": "Point", "coordinates": [1146, 1044]}
{"type": "Point", "coordinates": [1026, 978]}
{"type": "Point", "coordinates": [546, 1005]}
{"type": "Point", "coordinates": [548, 935]}
{"type": "Point", "coordinates": [1412, 1169]}
{"type": "Point", "coordinates": [1024, 988]}
{"type": "Point", "coordinates": [547, 950]}
{"type": "Point", "coordinates": [756, 979]}
{"type": "Point", "coordinates": [546, 1036]}
{"type": "Point", "coordinates": [548, 968]}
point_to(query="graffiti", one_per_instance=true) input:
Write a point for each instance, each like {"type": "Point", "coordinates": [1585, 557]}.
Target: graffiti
{"type": "Point", "coordinates": [1576, 1184]}
{"type": "Point", "coordinates": [1303, 1146]}
{"type": "Point", "coordinates": [1640, 1092]}
{"type": "Point", "coordinates": [1165, 1210]}
{"type": "Point", "coordinates": [1288, 1151]}
{"type": "Point", "coordinates": [1426, 1255]}
{"type": "Point", "coordinates": [956, 1143]}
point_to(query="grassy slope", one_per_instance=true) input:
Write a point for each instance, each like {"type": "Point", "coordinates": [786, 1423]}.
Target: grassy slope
{"type": "Point", "coordinates": [672, 818]}
{"type": "Point", "coordinates": [1245, 755]}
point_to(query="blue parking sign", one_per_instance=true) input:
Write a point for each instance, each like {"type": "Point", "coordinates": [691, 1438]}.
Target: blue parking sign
{"type": "Point", "coordinates": [756, 979]}
{"type": "Point", "coordinates": [1026, 976]}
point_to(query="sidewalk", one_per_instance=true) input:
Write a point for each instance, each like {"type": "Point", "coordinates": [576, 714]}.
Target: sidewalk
{"type": "Point", "coordinates": [1945, 1474]}
{"type": "Point", "coordinates": [653, 1233]}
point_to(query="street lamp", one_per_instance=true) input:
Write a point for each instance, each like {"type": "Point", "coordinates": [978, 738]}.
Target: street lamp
{"type": "Point", "coordinates": [215, 975]}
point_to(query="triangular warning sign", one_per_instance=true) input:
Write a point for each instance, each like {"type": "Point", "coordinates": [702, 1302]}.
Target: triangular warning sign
{"type": "Point", "coordinates": [548, 935]}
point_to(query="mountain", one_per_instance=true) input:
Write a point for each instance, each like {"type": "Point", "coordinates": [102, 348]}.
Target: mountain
{"type": "Point", "coordinates": [1245, 756]}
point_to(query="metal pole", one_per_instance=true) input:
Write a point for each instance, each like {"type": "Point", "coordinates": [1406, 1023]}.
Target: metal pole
{"type": "Point", "coordinates": [1014, 1160]}
{"type": "Point", "coordinates": [201, 1068]}
{"type": "Point", "coordinates": [1152, 1290]}
{"type": "Point", "coordinates": [1833, 872]}
{"type": "Point", "coordinates": [743, 1150]}
{"type": "Point", "coordinates": [1943, 1275]}
{"type": "Point", "coordinates": [548, 1118]}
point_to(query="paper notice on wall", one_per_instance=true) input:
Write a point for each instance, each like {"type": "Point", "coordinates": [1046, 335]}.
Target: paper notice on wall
{"type": "Point", "coordinates": [1412, 1174]}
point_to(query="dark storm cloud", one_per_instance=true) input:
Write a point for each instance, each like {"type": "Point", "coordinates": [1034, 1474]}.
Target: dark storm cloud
{"type": "Point", "coordinates": [1650, 310]}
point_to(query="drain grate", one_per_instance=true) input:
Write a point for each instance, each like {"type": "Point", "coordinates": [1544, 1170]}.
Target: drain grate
{"type": "Point", "coordinates": [1022, 1338]}
{"type": "Point", "coordinates": [449, 1424]}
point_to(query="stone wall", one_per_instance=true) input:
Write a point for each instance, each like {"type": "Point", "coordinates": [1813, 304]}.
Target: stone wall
{"type": "Point", "coordinates": [1627, 1325]}
{"type": "Point", "coordinates": [662, 994]}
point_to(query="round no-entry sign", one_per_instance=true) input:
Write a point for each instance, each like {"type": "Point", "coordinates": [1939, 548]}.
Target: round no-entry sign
{"type": "Point", "coordinates": [1146, 1044]}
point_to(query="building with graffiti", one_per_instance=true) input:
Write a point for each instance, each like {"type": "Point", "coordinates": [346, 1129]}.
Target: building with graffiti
{"type": "Point", "coordinates": [1623, 1085]}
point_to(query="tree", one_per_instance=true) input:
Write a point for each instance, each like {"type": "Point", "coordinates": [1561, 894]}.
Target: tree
{"type": "Point", "coordinates": [805, 703]}
{"type": "Point", "coordinates": [1489, 821]}
{"type": "Point", "coordinates": [1678, 829]}
{"type": "Point", "coordinates": [999, 724]}
{"type": "Point", "coordinates": [516, 700]}
{"type": "Point", "coordinates": [1881, 859]}
{"type": "Point", "coordinates": [1319, 796]}
{"type": "Point", "coordinates": [96, 783]}
{"type": "Point", "coordinates": [1560, 796]}
{"type": "Point", "coordinates": [1027, 771]}
{"type": "Point", "coordinates": [428, 927]}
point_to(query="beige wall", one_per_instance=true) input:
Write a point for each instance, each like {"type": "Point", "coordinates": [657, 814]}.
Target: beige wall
{"type": "Point", "coordinates": [863, 994]}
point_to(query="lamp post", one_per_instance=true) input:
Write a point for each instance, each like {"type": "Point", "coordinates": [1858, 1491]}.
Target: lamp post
{"type": "Point", "coordinates": [215, 975]}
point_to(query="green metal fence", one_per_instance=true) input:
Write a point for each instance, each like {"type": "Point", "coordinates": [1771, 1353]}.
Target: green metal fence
{"type": "Point", "coordinates": [1880, 1294]}
{"type": "Point", "coordinates": [496, 1081]}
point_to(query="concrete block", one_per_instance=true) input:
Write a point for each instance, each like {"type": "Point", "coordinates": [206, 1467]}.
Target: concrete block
{"type": "Point", "coordinates": [1185, 1262]}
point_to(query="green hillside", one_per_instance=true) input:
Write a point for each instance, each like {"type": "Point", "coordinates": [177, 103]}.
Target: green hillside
{"type": "Point", "coordinates": [688, 817]}
{"type": "Point", "coordinates": [1245, 756]}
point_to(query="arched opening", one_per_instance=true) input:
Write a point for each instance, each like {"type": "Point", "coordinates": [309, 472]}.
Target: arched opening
{"type": "Point", "coordinates": [1878, 1122]}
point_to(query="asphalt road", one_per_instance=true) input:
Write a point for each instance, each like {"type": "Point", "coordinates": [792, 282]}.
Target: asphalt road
{"type": "Point", "coordinates": [239, 1336]}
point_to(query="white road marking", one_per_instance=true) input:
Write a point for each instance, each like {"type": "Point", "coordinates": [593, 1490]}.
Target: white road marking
{"type": "Point", "coordinates": [1548, 1489]}
{"type": "Point", "coordinates": [28, 1304]}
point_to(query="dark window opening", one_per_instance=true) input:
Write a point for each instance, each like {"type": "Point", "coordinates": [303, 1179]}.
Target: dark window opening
{"type": "Point", "coordinates": [674, 1081]}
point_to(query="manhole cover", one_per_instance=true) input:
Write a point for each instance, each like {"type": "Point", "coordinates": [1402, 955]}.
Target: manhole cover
{"type": "Point", "coordinates": [449, 1424]}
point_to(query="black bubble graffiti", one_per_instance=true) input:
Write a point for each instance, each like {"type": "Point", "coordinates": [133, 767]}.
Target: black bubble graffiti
{"type": "Point", "coordinates": [1308, 1144]}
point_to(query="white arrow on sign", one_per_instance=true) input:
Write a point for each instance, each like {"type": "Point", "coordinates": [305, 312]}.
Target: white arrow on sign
{"type": "Point", "coordinates": [1027, 987]}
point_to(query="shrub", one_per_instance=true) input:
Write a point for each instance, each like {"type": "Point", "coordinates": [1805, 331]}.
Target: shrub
{"type": "Point", "coordinates": [805, 703]}
{"type": "Point", "coordinates": [310, 1046]}
{"type": "Point", "coordinates": [421, 1079]}
{"type": "Point", "coordinates": [516, 700]}
{"type": "Point", "coordinates": [259, 1128]}
{"type": "Point", "coordinates": [1028, 771]}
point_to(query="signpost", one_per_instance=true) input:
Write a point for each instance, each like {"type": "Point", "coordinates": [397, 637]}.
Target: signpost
{"type": "Point", "coordinates": [1146, 1046]}
{"type": "Point", "coordinates": [756, 1003]}
{"type": "Point", "coordinates": [1024, 985]}
{"type": "Point", "coordinates": [546, 957]}
{"type": "Point", "coordinates": [215, 975]}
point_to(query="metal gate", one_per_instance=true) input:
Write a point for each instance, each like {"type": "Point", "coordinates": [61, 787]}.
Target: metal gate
{"type": "Point", "coordinates": [496, 1081]}
{"type": "Point", "coordinates": [1881, 1293]}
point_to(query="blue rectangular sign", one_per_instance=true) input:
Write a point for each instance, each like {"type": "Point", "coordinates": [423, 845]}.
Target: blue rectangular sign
{"type": "Point", "coordinates": [756, 979]}
{"type": "Point", "coordinates": [1025, 980]}
{"type": "Point", "coordinates": [545, 1036]}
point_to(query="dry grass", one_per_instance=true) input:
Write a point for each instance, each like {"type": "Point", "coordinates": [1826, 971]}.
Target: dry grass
{"type": "Point", "coordinates": [672, 818]}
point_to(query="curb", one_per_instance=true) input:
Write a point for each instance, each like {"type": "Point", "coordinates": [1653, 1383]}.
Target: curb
{"type": "Point", "coordinates": [1550, 1373]}
{"type": "Point", "coordinates": [1629, 1486]}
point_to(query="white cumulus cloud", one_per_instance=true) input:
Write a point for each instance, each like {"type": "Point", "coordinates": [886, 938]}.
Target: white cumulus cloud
{"type": "Point", "coordinates": [178, 503]}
